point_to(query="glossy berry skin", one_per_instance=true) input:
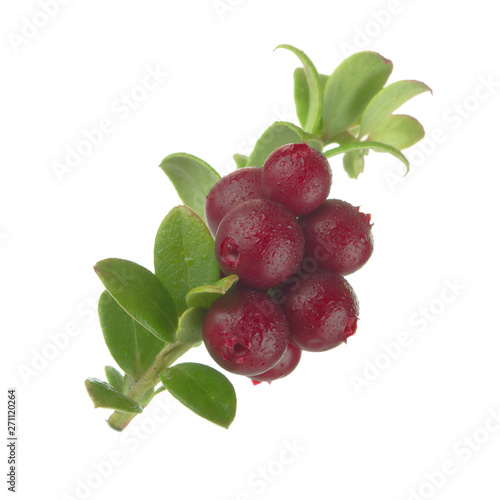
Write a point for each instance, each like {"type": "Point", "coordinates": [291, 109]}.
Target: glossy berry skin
{"type": "Point", "coordinates": [261, 242]}
{"type": "Point", "coordinates": [297, 176]}
{"type": "Point", "coordinates": [246, 331]}
{"type": "Point", "coordinates": [338, 236]}
{"type": "Point", "coordinates": [284, 367]}
{"type": "Point", "coordinates": [322, 310]}
{"type": "Point", "coordinates": [242, 185]}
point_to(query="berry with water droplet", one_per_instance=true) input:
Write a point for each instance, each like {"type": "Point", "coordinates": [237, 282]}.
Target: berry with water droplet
{"type": "Point", "coordinates": [246, 331]}
{"type": "Point", "coordinates": [284, 367]}
{"type": "Point", "coordinates": [297, 176]}
{"type": "Point", "coordinates": [239, 186]}
{"type": "Point", "coordinates": [322, 310]}
{"type": "Point", "coordinates": [261, 242]}
{"type": "Point", "coordinates": [338, 236]}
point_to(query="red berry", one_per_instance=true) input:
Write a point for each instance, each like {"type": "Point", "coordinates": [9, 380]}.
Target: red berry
{"type": "Point", "coordinates": [261, 242]}
{"type": "Point", "coordinates": [284, 367]}
{"type": "Point", "coordinates": [338, 236]}
{"type": "Point", "coordinates": [322, 310]}
{"type": "Point", "coordinates": [246, 331]}
{"type": "Point", "coordinates": [297, 176]}
{"type": "Point", "coordinates": [242, 185]}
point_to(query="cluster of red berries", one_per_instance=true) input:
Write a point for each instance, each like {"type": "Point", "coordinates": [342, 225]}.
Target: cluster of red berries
{"type": "Point", "coordinates": [291, 248]}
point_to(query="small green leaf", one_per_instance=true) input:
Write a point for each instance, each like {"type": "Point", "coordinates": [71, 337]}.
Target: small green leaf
{"type": "Point", "coordinates": [399, 131]}
{"type": "Point", "coordinates": [240, 160]}
{"type": "Point", "coordinates": [301, 95]}
{"type": "Point", "coordinates": [388, 100]}
{"type": "Point", "coordinates": [114, 377]}
{"type": "Point", "coordinates": [105, 396]}
{"type": "Point", "coordinates": [189, 330]}
{"type": "Point", "coordinates": [192, 178]}
{"type": "Point", "coordinates": [203, 390]}
{"type": "Point", "coordinates": [128, 381]}
{"type": "Point", "coordinates": [278, 134]}
{"type": "Point", "coordinates": [146, 398]}
{"type": "Point", "coordinates": [184, 254]}
{"type": "Point", "coordinates": [350, 88]}
{"type": "Point", "coordinates": [312, 95]}
{"type": "Point", "coordinates": [132, 346]}
{"type": "Point", "coordinates": [364, 146]}
{"type": "Point", "coordinates": [354, 164]}
{"type": "Point", "coordinates": [141, 294]}
{"type": "Point", "coordinates": [204, 296]}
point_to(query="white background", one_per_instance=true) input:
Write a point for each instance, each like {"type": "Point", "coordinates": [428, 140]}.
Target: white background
{"type": "Point", "coordinates": [362, 425]}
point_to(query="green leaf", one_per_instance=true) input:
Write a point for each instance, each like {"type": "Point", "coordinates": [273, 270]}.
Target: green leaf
{"type": "Point", "coordinates": [301, 95]}
{"type": "Point", "coordinates": [354, 164]}
{"type": "Point", "coordinates": [141, 294]}
{"type": "Point", "coordinates": [350, 88]}
{"type": "Point", "coordinates": [203, 390]}
{"type": "Point", "coordinates": [240, 160]}
{"type": "Point", "coordinates": [146, 398]}
{"type": "Point", "coordinates": [128, 382]}
{"type": "Point", "coordinates": [399, 131]}
{"type": "Point", "coordinates": [278, 134]}
{"type": "Point", "coordinates": [388, 100]}
{"type": "Point", "coordinates": [312, 97]}
{"type": "Point", "coordinates": [363, 146]}
{"type": "Point", "coordinates": [105, 396]}
{"type": "Point", "coordinates": [192, 178]}
{"type": "Point", "coordinates": [114, 377]}
{"type": "Point", "coordinates": [204, 296]}
{"type": "Point", "coordinates": [189, 330]}
{"type": "Point", "coordinates": [132, 346]}
{"type": "Point", "coordinates": [184, 254]}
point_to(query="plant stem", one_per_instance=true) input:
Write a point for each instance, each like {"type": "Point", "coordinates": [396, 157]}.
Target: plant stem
{"type": "Point", "coordinates": [170, 353]}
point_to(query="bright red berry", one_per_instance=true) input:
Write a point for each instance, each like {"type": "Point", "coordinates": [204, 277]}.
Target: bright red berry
{"type": "Point", "coordinates": [338, 236]}
{"type": "Point", "coordinates": [322, 310]}
{"type": "Point", "coordinates": [242, 185]}
{"type": "Point", "coordinates": [284, 367]}
{"type": "Point", "coordinates": [246, 331]}
{"type": "Point", "coordinates": [261, 242]}
{"type": "Point", "coordinates": [297, 176]}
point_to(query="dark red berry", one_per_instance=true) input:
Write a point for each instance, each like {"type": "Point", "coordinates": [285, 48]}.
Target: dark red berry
{"type": "Point", "coordinates": [338, 236]}
{"type": "Point", "coordinates": [242, 185]}
{"type": "Point", "coordinates": [261, 242]}
{"type": "Point", "coordinates": [246, 331]}
{"type": "Point", "coordinates": [284, 367]}
{"type": "Point", "coordinates": [297, 176]}
{"type": "Point", "coordinates": [322, 310]}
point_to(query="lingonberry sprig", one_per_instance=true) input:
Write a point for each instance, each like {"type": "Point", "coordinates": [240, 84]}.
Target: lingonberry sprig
{"type": "Point", "coordinates": [253, 265]}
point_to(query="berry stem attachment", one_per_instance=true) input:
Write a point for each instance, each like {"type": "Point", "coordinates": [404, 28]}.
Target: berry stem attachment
{"type": "Point", "coordinates": [168, 355]}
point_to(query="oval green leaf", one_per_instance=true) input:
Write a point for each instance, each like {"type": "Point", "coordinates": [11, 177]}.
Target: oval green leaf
{"type": "Point", "coordinates": [190, 326]}
{"type": "Point", "coordinates": [310, 96]}
{"type": "Point", "coordinates": [350, 88]}
{"type": "Point", "coordinates": [388, 100]}
{"type": "Point", "coordinates": [364, 146]}
{"type": "Point", "coordinates": [354, 163]}
{"type": "Point", "coordinates": [278, 134]}
{"type": "Point", "coordinates": [105, 396]}
{"type": "Point", "coordinates": [132, 346]}
{"type": "Point", "coordinates": [240, 160]}
{"type": "Point", "coordinates": [399, 131]}
{"type": "Point", "coordinates": [192, 178]}
{"type": "Point", "coordinates": [204, 296]}
{"type": "Point", "coordinates": [184, 254]}
{"type": "Point", "coordinates": [114, 377]}
{"type": "Point", "coordinates": [203, 390]}
{"type": "Point", "coordinates": [141, 294]}
{"type": "Point", "coordinates": [301, 95]}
